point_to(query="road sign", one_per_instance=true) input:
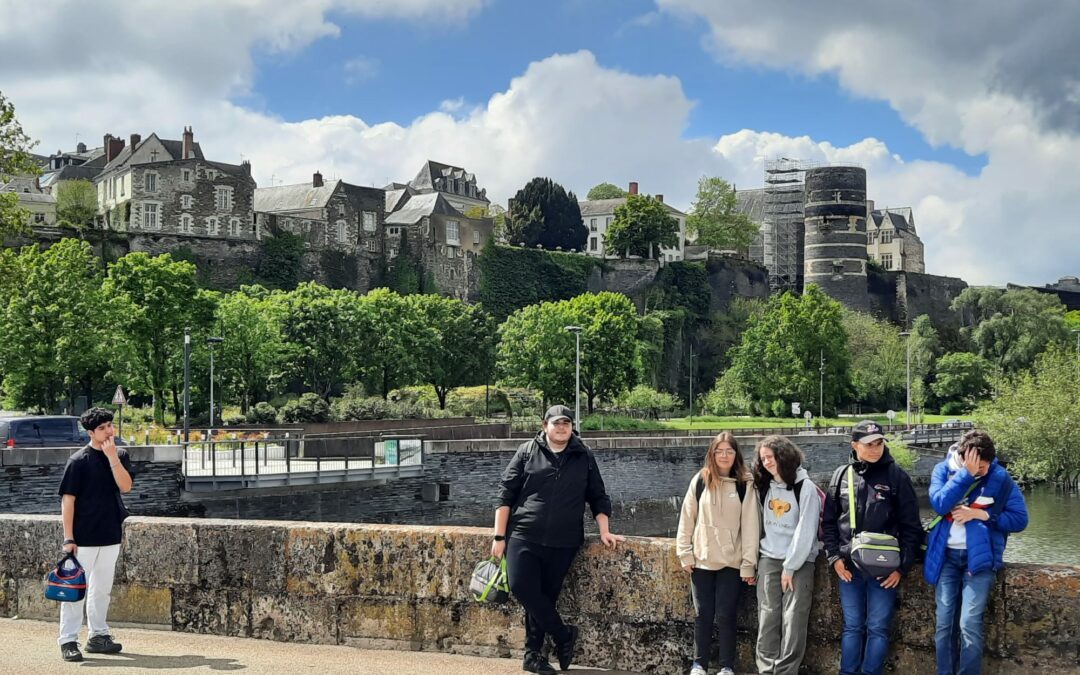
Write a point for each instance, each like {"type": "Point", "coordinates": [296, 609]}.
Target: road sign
{"type": "Point", "coordinates": [118, 398]}
{"type": "Point", "coordinates": [808, 415]}
{"type": "Point", "coordinates": [891, 414]}
{"type": "Point", "coordinates": [796, 407]}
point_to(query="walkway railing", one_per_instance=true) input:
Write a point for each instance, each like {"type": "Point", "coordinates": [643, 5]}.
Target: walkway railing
{"type": "Point", "coordinates": [229, 464]}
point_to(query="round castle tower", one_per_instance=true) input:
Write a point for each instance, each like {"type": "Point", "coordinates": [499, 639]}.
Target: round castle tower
{"type": "Point", "coordinates": [835, 225]}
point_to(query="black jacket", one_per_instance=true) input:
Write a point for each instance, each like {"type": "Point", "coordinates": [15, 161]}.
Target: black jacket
{"type": "Point", "coordinates": [547, 492]}
{"type": "Point", "coordinates": [885, 502]}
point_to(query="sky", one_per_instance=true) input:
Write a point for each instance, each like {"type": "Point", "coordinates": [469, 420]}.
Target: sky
{"type": "Point", "coordinates": [970, 117]}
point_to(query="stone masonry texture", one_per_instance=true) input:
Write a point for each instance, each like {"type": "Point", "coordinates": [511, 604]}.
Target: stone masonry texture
{"type": "Point", "coordinates": [405, 587]}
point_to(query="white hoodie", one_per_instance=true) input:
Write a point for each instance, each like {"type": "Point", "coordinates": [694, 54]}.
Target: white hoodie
{"type": "Point", "coordinates": [791, 529]}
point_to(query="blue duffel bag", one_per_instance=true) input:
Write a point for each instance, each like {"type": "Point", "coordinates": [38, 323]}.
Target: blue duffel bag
{"type": "Point", "coordinates": [66, 583]}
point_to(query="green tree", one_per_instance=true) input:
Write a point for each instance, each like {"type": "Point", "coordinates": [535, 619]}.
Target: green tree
{"type": "Point", "coordinates": [545, 214]}
{"type": "Point", "coordinates": [461, 348]}
{"type": "Point", "coordinates": [641, 227]}
{"type": "Point", "coordinates": [252, 357]}
{"type": "Point", "coordinates": [924, 347]}
{"type": "Point", "coordinates": [1033, 418]}
{"type": "Point", "coordinates": [15, 160]}
{"type": "Point", "coordinates": [76, 203]}
{"type": "Point", "coordinates": [606, 191]}
{"type": "Point", "coordinates": [157, 297]}
{"type": "Point", "coordinates": [878, 360]}
{"type": "Point", "coordinates": [278, 265]}
{"type": "Point", "coordinates": [391, 341]}
{"type": "Point", "coordinates": [56, 335]}
{"type": "Point", "coordinates": [781, 352]}
{"type": "Point", "coordinates": [963, 377]}
{"type": "Point", "coordinates": [1072, 320]}
{"type": "Point", "coordinates": [405, 276]}
{"type": "Point", "coordinates": [647, 401]}
{"type": "Point", "coordinates": [1010, 328]}
{"type": "Point", "coordinates": [325, 333]}
{"type": "Point", "coordinates": [715, 218]}
{"type": "Point", "coordinates": [729, 396]}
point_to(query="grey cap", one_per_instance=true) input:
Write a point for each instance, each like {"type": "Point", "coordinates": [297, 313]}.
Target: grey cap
{"type": "Point", "coordinates": [558, 412]}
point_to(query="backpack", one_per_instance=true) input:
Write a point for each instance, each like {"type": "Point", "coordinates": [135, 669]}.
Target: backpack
{"type": "Point", "coordinates": [699, 489]}
{"type": "Point", "coordinates": [797, 489]}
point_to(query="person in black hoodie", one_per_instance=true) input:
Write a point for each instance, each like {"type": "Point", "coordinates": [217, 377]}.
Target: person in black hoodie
{"type": "Point", "coordinates": [885, 502]}
{"type": "Point", "coordinates": [539, 526]}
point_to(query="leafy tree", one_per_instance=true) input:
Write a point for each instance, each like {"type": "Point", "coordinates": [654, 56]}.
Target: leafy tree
{"type": "Point", "coordinates": [76, 203]}
{"type": "Point", "coordinates": [461, 351]}
{"type": "Point", "coordinates": [393, 337]}
{"type": "Point", "coordinates": [546, 214]}
{"type": "Point", "coordinates": [782, 349]}
{"type": "Point", "coordinates": [606, 191]}
{"type": "Point", "coordinates": [324, 332]}
{"type": "Point", "coordinates": [1033, 418]}
{"type": "Point", "coordinates": [608, 342]}
{"type": "Point", "coordinates": [56, 334]}
{"type": "Point", "coordinates": [646, 400]}
{"type": "Point", "coordinates": [278, 265]}
{"type": "Point", "coordinates": [878, 360]}
{"type": "Point", "coordinates": [715, 218]}
{"type": "Point", "coordinates": [924, 346]}
{"type": "Point", "coordinates": [729, 396]}
{"type": "Point", "coordinates": [1072, 320]}
{"type": "Point", "coordinates": [252, 357]}
{"type": "Point", "coordinates": [310, 407]}
{"type": "Point", "coordinates": [963, 377]}
{"type": "Point", "coordinates": [641, 227]}
{"type": "Point", "coordinates": [15, 160]}
{"type": "Point", "coordinates": [1010, 328]}
{"type": "Point", "coordinates": [157, 297]}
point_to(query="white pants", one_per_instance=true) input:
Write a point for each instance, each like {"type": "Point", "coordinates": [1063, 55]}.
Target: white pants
{"type": "Point", "coordinates": [99, 562]}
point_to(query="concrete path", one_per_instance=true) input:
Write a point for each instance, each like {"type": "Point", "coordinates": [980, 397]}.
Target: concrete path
{"type": "Point", "coordinates": [30, 647]}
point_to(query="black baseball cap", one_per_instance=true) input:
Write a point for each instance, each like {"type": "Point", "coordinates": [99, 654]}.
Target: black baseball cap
{"type": "Point", "coordinates": [558, 412]}
{"type": "Point", "coordinates": [866, 431]}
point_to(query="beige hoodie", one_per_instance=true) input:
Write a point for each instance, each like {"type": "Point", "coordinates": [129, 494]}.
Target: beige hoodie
{"type": "Point", "coordinates": [719, 532]}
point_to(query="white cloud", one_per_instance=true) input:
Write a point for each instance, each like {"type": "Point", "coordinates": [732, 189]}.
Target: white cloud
{"type": "Point", "coordinates": [360, 69]}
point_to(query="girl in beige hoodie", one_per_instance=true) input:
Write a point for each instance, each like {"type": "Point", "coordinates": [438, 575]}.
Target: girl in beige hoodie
{"type": "Point", "coordinates": [717, 544]}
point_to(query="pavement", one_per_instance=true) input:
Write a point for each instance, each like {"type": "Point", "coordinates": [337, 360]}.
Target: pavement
{"type": "Point", "coordinates": [29, 647]}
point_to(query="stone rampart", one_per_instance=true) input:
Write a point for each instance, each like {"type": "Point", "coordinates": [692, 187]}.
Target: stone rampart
{"type": "Point", "coordinates": [405, 587]}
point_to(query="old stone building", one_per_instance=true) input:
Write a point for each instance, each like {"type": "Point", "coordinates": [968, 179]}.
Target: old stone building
{"type": "Point", "coordinates": [156, 186]}
{"type": "Point", "coordinates": [454, 183]}
{"type": "Point", "coordinates": [598, 214]}
{"type": "Point", "coordinates": [891, 239]}
{"type": "Point", "coordinates": [32, 197]}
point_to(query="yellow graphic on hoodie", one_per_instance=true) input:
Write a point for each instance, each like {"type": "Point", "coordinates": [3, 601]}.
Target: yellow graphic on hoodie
{"type": "Point", "coordinates": [779, 507]}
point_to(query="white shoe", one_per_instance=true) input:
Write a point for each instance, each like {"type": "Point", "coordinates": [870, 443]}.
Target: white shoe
{"type": "Point", "coordinates": [725, 671]}
{"type": "Point", "coordinates": [698, 670]}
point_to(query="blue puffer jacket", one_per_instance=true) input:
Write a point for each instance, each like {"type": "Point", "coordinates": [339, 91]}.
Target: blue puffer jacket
{"type": "Point", "coordinates": [985, 540]}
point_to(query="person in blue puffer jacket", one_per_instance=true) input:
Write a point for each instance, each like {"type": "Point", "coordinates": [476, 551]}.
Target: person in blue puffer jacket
{"type": "Point", "coordinates": [980, 506]}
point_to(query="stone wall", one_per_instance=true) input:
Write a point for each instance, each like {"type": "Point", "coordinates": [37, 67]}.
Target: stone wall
{"type": "Point", "coordinates": [405, 587]}
{"type": "Point", "coordinates": [901, 297]}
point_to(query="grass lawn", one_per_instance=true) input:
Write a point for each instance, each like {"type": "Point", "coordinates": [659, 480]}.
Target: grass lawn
{"type": "Point", "coordinates": [710, 422]}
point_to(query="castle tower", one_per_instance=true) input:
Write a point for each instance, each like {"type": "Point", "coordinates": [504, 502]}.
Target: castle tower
{"type": "Point", "coordinates": [835, 222]}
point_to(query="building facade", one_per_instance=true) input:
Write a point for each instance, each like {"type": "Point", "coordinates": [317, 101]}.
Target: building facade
{"type": "Point", "coordinates": [891, 239]}
{"type": "Point", "coordinates": [40, 203]}
{"type": "Point", "coordinates": [598, 214]}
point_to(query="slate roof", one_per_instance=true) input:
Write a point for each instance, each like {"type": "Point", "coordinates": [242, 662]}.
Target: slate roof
{"type": "Point", "coordinates": [299, 197]}
{"type": "Point", "coordinates": [899, 218]}
{"type": "Point", "coordinates": [603, 207]}
{"type": "Point", "coordinates": [752, 203]}
{"type": "Point", "coordinates": [421, 206]}
{"type": "Point", "coordinates": [174, 148]}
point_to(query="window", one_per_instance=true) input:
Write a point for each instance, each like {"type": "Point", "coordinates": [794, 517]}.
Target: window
{"type": "Point", "coordinates": [452, 233]}
{"type": "Point", "coordinates": [369, 220]}
{"type": "Point", "coordinates": [371, 245]}
{"type": "Point", "coordinates": [592, 243]}
{"type": "Point", "coordinates": [886, 236]}
{"type": "Point", "coordinates": [476, 236]}
{"type": "Point", "coordinates": [234, 227]}
{"type": "Point", "coordinates": [394, 231]}
{"type": "Point", "coordinates": [185, 175]}
{"type": "Point", "coordinates": [342, 232]}
{"type": "Point", "coordinates": [871, 237]}
{"type": "Point", "coordinates": [886, 260]}
{"type": "Point", "coordinates": [186, 223]}
{"type": "Point", "coordinates": [185, 201]}
{"type": "Point", "coordinates": [39, 217]}
{"type": "Point", "coordinates": [607, 222]}
{"type": "Point", "coordinates": [122, 185]}
{"type": "Point", "coordinates": [150, 182]}
{"type": "Point", "coordinates": [592, 225]}
{"type": "Point", "coordinates": [211, 174]}
{"type": "Point", "coordinates": [150, 216]}
{"type": "Point", "coordinates": [213, 227]}
{"type": "Point", "coordinates": [223, 198]}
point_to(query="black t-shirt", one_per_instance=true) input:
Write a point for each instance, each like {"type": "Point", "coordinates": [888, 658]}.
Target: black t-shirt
{"type": "Point", "coordinates": [99, 513]}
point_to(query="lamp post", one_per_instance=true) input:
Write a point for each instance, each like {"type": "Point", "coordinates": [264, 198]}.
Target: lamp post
{"type": "Point", "coordinates": [210, 342]}
{"type": "Point", "coordinates": [907, 408]}
{"type": "Point", "coordinates": [691, 385]}
{"type": "Point", "coordinates": [821, 385]}
{"type": "Point", "coordinates": [187, 382]}
{"type": "Point", "coordinates": [576, 330]}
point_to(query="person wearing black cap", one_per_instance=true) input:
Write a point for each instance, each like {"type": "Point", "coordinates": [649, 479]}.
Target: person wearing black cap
{"type": "Point", "coordinates": [885, 503]}
{"type": "Point", "coordinates": [539, 527]}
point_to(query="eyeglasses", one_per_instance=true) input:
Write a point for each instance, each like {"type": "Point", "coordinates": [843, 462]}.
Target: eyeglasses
{"type": "Point", "coordinates": [724, 453]}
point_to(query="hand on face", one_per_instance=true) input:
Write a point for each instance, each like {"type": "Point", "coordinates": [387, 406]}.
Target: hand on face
{"type": "Point", "coordinates": [974, 465]}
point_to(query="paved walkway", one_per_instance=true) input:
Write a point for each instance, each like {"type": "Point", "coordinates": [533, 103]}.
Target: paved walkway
{"type": "Point", "coordinates": [30, 647]}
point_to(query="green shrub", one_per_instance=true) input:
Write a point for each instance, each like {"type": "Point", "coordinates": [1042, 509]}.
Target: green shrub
{"type": "Point", "coordinates": [310, 407]}
{"type": "Point", "coordinates": [617, 423]}
{"type": "Point", "coordinates": [955, 408]}
{"type": "Point", "coordinates": [231, 420]}
{"type": "Point", "coordinates": [643, 401]}
{"type": "Point", "coordinates": [410, 404]}
{"type": "Point", "coordinates": [778, 408]}
{"type": "Point", "coordinates": [904, 456]}
{"type": "Point", "coordinates": [262, 413]}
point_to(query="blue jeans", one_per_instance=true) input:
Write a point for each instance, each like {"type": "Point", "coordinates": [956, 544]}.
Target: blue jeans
{"type": "Point", "coordinates": [961, 601]}
{"type": "Point", "coordinates": [868, 611]}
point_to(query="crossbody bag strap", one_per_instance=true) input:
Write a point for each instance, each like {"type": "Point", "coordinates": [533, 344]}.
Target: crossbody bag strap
{"type": "Point", "coordinates": [851, 497]}
{"type": "Point", "coordinates": [937, 519]}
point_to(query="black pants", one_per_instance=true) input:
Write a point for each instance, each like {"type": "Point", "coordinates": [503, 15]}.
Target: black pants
{"type": "Point", "coordinates": [536, 576]}
{"type": "Point", "coordinates": [716, 597]}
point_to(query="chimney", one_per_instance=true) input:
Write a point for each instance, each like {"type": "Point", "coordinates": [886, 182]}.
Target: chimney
{"type": "Point", "coordinates": [135, 138]}
{"type": "Point", "coordinates": [189, 144]}
{"type": "Point", "coordinates": [633, 187]}
{"type": "Point", "coordinates": [245, 166]}
{"type": "Point", "coordinates": [316, 180]}
{"type": "Point", "coordinates": [660, 198]}
{"type": "Point", "coordinates": [81, 147]}
{"type": "Point", "coordinates": [113, 146]}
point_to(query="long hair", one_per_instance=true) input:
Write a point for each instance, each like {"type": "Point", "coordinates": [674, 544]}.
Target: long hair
{"type": "Point", "coordinates": [788, 460]}
{"type": "Point", "coordinates": [738, 469]}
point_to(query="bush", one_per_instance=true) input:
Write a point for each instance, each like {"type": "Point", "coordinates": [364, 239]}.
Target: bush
{"type": "Point", "coordinates": [310, 407]}
{"type": "Point", "coordinates": [234, 419]}
{"type": "Point", "coordinates": [646, 402]}
{"type": "Point", "coordinates": [355, 406]}
{"type": "Point", "coordinates": [904, 456]}
{"type": "Point", "coordinates": [778, 408]}
{"type": "Point", "coordinates": [728, 397]}
{"type": "Point", "coordinates": [955, 408]}
{"type": "Point", "coordinates": [617, 423]}
{"type": "Point", "coordinates": [262, 413]}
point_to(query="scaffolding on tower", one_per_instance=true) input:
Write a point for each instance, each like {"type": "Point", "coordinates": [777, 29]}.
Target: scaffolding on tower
{"type": "Point", "coordinates": [781, 237]}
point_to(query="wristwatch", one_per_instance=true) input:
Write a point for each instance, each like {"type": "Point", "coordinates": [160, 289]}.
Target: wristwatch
{"type": "Point", "coordinates": [500, 537]}
{"type": "Point", "coordinates": [68, 541]}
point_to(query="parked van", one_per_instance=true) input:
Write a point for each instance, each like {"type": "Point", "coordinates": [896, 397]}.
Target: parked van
{"type": "Point", "coordinates": [42, 431]}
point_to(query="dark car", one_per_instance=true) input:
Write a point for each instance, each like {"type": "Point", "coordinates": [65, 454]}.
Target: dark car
{"type": "Point", "coordinates": [42, 431]}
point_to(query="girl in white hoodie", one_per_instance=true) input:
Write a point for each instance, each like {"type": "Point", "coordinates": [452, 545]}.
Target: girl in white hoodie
{"type": "Point", "coordinates": [717, 544]}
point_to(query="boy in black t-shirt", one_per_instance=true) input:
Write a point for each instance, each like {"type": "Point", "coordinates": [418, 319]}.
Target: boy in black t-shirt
{"type": "Point", "coordinates": [93, 515]}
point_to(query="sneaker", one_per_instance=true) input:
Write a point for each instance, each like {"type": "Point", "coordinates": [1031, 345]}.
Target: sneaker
{"type": "Point", "coordinates": [535, 662]}
{"type": "Point", "coordinates": [725, 671]}
{"type": "Point", "coordinates": [69, 651]}
{"type": "Point", "coordinates": [566, 649]}
{"type": "Point", "coordinates": [698, 670]}
{"type": "Point", "coordinates": [102, 644]}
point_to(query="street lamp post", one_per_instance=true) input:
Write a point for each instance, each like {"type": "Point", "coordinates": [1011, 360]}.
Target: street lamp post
{"type": "Point", "coordinates": [907, 408]}
{"type": "Point", "coordinates": [691, 385]}
{"type": "Point", "coordinates": [576, 330]}
{"type": "Point", "coordinates": [187, 382]}
{"type": "Point", "coordinates": [210, 342]}
{"type": "Point", "coordinates": [821, 386]}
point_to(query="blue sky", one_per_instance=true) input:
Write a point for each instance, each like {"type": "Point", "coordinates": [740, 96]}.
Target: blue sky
{"type": "Point", "coordinates": [408, 69]}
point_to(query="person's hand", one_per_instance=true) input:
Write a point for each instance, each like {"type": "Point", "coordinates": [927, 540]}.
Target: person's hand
{"type": "Point", "coordinates": [842, 570]}
{"type": "Point", "coordinates": [787, 582]}
{"type": "Point", "coordinates": [750, 581]}
{"type": "Point", "coordinates": [70, 548]}
{"type": "Point", "coordinates": [611, 540]}
{"type": "Point", "coordinates": [688, 568]}
{"type": "Point", "coordinates": [498, 549]}
{"type": "Point", "coordinates": [963, 514]}
{"type": "Point", "coordinates": [893, 580]}
{"type": "Point", "coordinates": [109, 448]}
{"type": "Point", "coordinates": [971, 461]}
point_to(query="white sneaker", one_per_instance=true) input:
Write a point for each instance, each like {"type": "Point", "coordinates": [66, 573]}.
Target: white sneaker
{"type": "Point", "coordinates": [697, 670]}
{"type": "Point", "coordinates": [725, 671]}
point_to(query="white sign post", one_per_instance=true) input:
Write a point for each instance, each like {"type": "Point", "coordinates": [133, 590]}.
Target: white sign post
{"type": "Point", "coordinates": [120, 400]}
{"type": "Point", "coordinates": [796, 408]}
{"type": "Point", "coordinates": [809, 416]}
